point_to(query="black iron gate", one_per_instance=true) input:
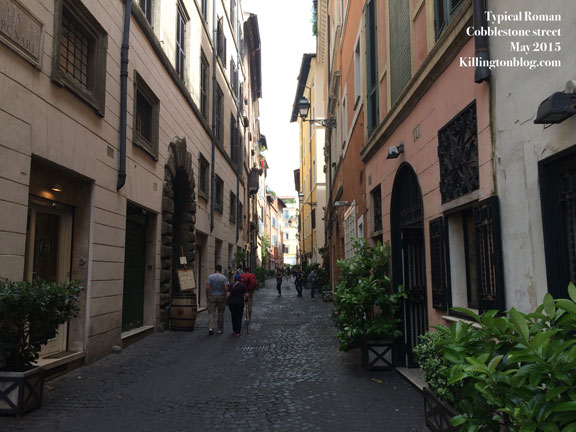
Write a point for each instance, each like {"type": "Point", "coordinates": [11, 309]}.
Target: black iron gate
{"type": "Point", "coordinates": [409, 261]}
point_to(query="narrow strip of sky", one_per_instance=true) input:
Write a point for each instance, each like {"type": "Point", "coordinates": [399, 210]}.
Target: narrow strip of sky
{"type": "Point", "coordinates": [286, 34]}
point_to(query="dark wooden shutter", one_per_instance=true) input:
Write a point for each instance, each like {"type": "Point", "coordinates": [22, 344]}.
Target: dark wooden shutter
{"type": "Point", "coordinates": [489, 255]}
{"type": "Point", "coordinates": [439, 17]}
{"type": "Point", "coordinates": [440, 264]}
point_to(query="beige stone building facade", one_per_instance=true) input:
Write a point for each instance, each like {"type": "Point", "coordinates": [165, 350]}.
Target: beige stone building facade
{"type": "Point", "coordinates": [128, 146]}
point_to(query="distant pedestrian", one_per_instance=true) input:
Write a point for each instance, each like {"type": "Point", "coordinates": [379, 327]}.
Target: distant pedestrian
{"type": "Point", "coordinates": [298, 281]}
{"type": "Point", "coordinates": [216, 290]}
{"type": "Point", "coordinates": [249, 279]}
{"type": "Point", "coordinates": [236, 296]}
{"type": "Point", "coordinates": [312, 280]}
{"type": "Point", "coordinates": [279, 281]}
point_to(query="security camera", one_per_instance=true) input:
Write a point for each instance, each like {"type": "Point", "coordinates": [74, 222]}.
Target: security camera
{"type": "Point", "coordinates": [394, 152]}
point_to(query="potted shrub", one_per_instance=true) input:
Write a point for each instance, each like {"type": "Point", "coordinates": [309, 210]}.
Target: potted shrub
{"type": "Point", "coordinates": [30, 313]}
{"type": "Point", "coordinates": [366, 305]}
{"type": "Point", "coordinates": [513, 371]}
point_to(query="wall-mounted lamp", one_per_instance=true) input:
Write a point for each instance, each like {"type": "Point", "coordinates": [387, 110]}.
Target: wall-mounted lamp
{"type": "Point", "coordinates": [558, 106]}
{"type": "Point", "coordinates": [303, 106]}
{"type": "Point", "coordinates": [394, 152]}
{"type": "Point", "coordinates": [56, 188]}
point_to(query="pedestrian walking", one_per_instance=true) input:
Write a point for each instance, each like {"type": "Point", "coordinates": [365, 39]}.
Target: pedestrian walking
{"type": "Point", "coordinates": [249, 279]}
{"type": "Point", "coordinates": [279, 281]}
{"type": "Point", "coordinates": [236, 296]}
{"type": "Point", "coordinates": [216, 290]}
{"type": "Point", "coordinates": [312, 280]}
{"type": "Point", "coordinates": [298, 281]}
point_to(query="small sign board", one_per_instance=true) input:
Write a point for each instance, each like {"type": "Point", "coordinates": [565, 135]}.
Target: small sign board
{"type": "Point", "coordinates": [186, 280]}
{"type": "Point", "coordinates": [183, 260]}
{"type": "Point", "coordinates": [21, 31]}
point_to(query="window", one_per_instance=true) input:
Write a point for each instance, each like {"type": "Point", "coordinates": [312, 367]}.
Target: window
{"type": "Point", "coordinates": [234, 154]}
{"type": "Point", "coordinates": [241, 215]}
{"type": "Point", "coordinates": [204, 84]}
{"type": "Point", "coordinates": [274, 222]}
{"type": "Point", "coordinates": [234, 78]}
{"type": "Point", "coordinates": [146, 117]}
{"type": "Point", "coordinates": [274, 240]}
{"type": "Point", "coordinates": [221, 43]}
{"type": "Point", "coordinates": [349, 233]}
{"type": "Point", "coordinates": [79, 61]}
{"type": "Point", "coordinates": [358, 90]}
{"type": "Point", "coordinates": [372, 66]}
{"type": "Point", "coordinates": [219, 192]}
{"type": "Point", "coordinates": [219, 114]}
{"type": "Point", "coordinates": [286, 214]}
{"type": "Point", "coordinates": [463, 259]}
{"type": "Point", "coordinates": [203, 177]}
{"type": "Point", "coordinates": [286, 236]}
{"type": "Point", "coordinates": [558, 201]}
{"type": "Point", "coordinates": [181, 20]}
{"type": "Point", "coordinates": [313, 217]}
{"type": "Point", "coordinates": [466, 258]}
{"type": "Point", "coordinates": [232, 215]}
{"type": "Point", "coordinates": [146, 6]}
{"type": "Point", "coordinates": [377, 209]}
{"type": "Point", "coordinates": [205, 10]}
{"type": "Point", "coordinates": [444, 11]}
{"type": "Point", "coordinates": [233, 14]}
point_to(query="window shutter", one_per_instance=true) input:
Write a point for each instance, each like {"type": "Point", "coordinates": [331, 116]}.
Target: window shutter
{"type": "Point", "coordinates": [489, 255]}
{"type": "Point", "coordinates": [439, 17]}
{"type": "Point", "coordinates": [440, 264]}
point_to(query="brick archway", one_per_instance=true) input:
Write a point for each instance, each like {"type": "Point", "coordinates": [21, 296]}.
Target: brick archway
{"type": "Point", "coordinates": [178, 221]}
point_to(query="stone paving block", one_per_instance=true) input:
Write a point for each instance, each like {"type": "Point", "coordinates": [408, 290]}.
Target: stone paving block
{"type": "Point", "coordinates": [286, 375]}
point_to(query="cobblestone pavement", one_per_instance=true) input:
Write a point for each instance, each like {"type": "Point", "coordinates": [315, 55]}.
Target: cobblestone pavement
{"type": "Point", "coordinates": [286, 375]}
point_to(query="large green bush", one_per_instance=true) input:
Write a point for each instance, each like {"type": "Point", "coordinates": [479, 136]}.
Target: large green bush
{"type": "Point", "coordinates": [513, 372]}
{"type": "Point", "coordinates": [366, 303]}
{"type": "Point", "coordinates": [30, 313]}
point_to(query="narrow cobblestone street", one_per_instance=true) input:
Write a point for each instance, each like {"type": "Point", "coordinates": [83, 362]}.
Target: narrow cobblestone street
{"type": "Point", "coordinates": [286, 374]}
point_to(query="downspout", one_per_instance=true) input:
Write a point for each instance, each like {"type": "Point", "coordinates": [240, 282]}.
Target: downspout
{"type": "Point", "coordinates": [213, 157]}
{"type": "Point", "coordinates": [482, 53]}
{"type": "Point", "coordinates": [124, 93]}
{"type": "Point", "coordinates": [240, 148]}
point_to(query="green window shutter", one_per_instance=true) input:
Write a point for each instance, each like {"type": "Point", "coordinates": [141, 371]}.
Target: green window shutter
{"type": "Point", "coordinates": [372, 66]}
{"type": "Point", "coordinates": [400, 62]}
{"type": "Point", "coordinates": [440, 264]}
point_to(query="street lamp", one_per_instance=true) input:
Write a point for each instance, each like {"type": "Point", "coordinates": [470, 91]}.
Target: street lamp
{"type": "Point", "coordinates": [303, 108]}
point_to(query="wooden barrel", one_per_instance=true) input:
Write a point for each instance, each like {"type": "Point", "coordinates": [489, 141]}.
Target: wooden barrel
{"type": "Point", "coordinates": [183, 311]}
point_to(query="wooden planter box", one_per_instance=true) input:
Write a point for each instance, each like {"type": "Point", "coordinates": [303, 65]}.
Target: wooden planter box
{"type": "Point", "coordinates": [21, 392]}
{"type": "Point", "coordinates": [377, 355]}
{"type": "Point", "coordinates": [438, 413]}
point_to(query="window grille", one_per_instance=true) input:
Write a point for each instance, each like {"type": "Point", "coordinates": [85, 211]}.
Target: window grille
{"type": "Point", "coordinates": [458, 155]}
{"type": "Point", "coordinates": [74, 51]}
{"type": "Point", "coordinates": [143, 117]}
{"type": "Point", "coordinates": [232, 215]}
{"type": "Point", "coordinates": [203, 180]}
{"type": "Point", "coordinates": [219, 201]}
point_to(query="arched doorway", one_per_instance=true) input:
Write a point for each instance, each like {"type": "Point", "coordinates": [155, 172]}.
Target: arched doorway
{"type": "Point", "coordinates": [409, 260]}
{"type": "Point", "coordinates": [178, 221]}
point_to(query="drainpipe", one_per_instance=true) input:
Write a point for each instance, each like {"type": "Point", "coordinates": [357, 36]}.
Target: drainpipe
{"type": "Point", "coordinates": [213, 157]}
{"type": "Point", "coordinates": [124, 93]}
{"type": "Point", "coordinates": [482, 53]}
{"type": "Point", "coordinates": [239, 147]}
